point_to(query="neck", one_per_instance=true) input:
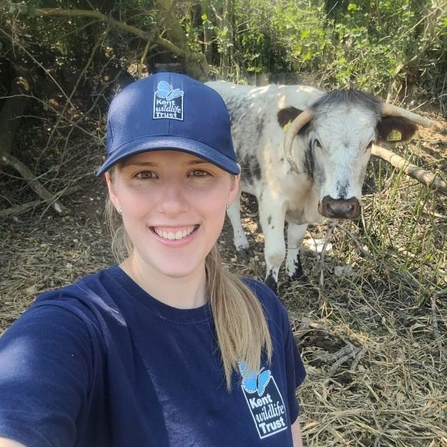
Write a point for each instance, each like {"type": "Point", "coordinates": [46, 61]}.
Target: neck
{"type": "Point", "coordinates": [182, 293]}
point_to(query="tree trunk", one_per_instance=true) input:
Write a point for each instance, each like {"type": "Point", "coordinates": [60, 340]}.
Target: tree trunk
{"type": "Point", "coordinates": [226, 29]}
{"type": "Point", "coordinates": [11, 113]}
{"type": "Point", "coordinates": [195, 63]}
{"type": "Point", "coordinates": [13, 108]}
{"type": "Point", "coordinates": [207, 35]}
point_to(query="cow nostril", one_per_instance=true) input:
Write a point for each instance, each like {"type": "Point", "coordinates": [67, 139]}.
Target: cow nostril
{"type": "Point", "coordinates": [331, 210]}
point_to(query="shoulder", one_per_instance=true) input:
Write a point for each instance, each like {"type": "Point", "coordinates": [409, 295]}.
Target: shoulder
{"type": "Point", "coordinates": [89, 289]}
{"type": "Point", "coordinates": [90, 299]}
{"type": "Point", "coordinates": [89, 284]}
{"type": "Point", "coordinates": [75, 315]}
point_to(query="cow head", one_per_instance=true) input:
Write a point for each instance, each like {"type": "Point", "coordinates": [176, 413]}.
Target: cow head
{"type": "Point", "coordinates": [331, 142]}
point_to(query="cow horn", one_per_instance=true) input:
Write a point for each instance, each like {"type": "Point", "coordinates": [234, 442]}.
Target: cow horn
{"type": "Point", "coordinates": [391, 110]}
{"type": "Point", "coordinates": [295, 126]}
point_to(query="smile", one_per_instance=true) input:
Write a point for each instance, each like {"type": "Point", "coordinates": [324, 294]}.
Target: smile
{"type": "Point", "coordinates": [174, 235]}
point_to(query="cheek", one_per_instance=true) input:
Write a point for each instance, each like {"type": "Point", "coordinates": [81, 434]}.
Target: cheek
{"type": "Point", "coordinates": [214, 192]}
{"type": "Point", "coordinates": [212, 205]}
{"type": "Point", "coordinates": [210, 201]}
{"type": "Point", "coordinates": [363, 170]}
{"type": "Point", "coordinates": [223, 195]}
{"type": "Point", "coordinates": [134, 202]}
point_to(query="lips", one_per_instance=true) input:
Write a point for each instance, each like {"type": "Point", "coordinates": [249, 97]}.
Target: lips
{"type": "Point", "coordinates": [172, 234]}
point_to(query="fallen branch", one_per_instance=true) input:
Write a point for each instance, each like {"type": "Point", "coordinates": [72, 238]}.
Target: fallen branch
{"type": "Point", "coordinates": [423, 176]}
{"type": "Point", "coordinates": [35, 185]}
{"type": "Point", "coordinates": [18, 209]}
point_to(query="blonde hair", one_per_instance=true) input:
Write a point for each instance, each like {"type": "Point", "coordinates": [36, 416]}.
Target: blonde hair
{"type": "Point", "coordinates": [241, 326]}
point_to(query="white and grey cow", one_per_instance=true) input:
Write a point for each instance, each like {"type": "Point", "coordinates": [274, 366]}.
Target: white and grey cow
{"type": "Point", "coordinates": [303, 154]}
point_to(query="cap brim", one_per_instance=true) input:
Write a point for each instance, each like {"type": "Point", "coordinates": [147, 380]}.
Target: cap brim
{"type": "Point", "coordinates": [170, 143]}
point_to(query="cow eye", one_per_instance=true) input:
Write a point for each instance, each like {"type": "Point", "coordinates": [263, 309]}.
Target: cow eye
{"type": "Point", "coordinates": [317, 143]}
{"type": "Point", "coordinates": [369, 145]}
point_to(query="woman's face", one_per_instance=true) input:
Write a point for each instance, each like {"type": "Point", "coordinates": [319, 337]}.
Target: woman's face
{"type": "Point", "coordinates": [173, 209]}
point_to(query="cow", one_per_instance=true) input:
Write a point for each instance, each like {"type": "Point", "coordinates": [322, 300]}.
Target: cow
{"type": "Point", "coordinates": [303, 154]}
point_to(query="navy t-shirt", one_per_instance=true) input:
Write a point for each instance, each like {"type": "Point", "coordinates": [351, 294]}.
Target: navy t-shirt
{"type": "Point", "coordinates": [101, 363]}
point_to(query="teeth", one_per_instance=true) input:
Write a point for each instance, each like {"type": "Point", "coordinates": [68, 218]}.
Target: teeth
{"type": "Point", "coordinates": [174, 236]}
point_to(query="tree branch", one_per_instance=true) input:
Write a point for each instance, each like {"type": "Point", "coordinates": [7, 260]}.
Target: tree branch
{"type": "Point", "coordinates": [197, 58]}
{"type": "Point", "coordinates": [35, 185]}
{"type": "Point", "coordinates": [14, 210]}
{"type": "Point", "coordinates": [425, 177]}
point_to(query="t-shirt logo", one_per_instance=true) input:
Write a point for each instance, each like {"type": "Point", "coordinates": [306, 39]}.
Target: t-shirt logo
{"type": "Point", "coordinates": [168, 102]}
{"type": "Point", "coordinates": [264, 401]}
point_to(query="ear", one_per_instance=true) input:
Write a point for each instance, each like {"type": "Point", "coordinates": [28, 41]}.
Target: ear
{"type": "Point", "coordinates": [235, 180]}
{"type": "Point", "coordinates": [112, 192]}
{"type": "Point", "coordinates": [394, 129]}
{"type": "Point", "coordinates": [287, 115]}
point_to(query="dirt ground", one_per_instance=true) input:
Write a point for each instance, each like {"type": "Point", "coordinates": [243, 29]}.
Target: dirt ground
{"type": "Point", "coordinates": [371, 324]}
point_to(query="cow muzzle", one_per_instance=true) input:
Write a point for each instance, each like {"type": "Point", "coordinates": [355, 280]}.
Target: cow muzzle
{"type": "Point", "coordinates": [339, 208]}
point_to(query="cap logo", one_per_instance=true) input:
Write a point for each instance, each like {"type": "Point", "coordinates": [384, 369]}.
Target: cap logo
{"type": "Point", "coordinates": [168, 102]}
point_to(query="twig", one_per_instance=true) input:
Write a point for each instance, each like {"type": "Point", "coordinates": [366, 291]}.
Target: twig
{"type": "Point", "coordinates": [436, 333]}
{"type": "Point", "coordinates": [418, 258]}
{"type": "Point", "coordinates": [346, 353]}
{"type": "Point", "coordinates": [434, 318]}
{"type": "Point", "coordinates": [387, 426]}
{"type": "Point", "coordinates": [357, 359]}
{"type": "Point", "coordinates": [326, 241]}
{"type": "Point", "coordinates": [364, 252]}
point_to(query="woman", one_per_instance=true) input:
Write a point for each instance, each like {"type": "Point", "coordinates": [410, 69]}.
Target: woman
{"type": "Point", "coordinates": [167, 348]}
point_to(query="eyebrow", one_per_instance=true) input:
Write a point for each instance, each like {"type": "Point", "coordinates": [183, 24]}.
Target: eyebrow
{"type": "Point", "coordinates": [196, 162]}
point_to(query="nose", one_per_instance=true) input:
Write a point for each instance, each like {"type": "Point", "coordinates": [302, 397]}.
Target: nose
{"type": "Point", "coordinates": [173, 199]}
{"type": "Point", "coordinates": [339, 208]}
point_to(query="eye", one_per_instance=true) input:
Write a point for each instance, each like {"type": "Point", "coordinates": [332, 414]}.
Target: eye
{"type": "Point", "coordinates": [199, 173]}
{"type": "Point", "coordinates": [369, 145]}
{"type": "Point", "coordinates": [317, 143]}
{"type": "Point", "coordinates": [146, 175]}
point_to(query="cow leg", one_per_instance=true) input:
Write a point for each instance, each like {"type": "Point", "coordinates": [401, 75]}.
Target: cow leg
{"type": "Point", "coordinates": [271, 217]}
{"type": "Point", "coordinates": [295, 236]}
{"type": "Point", "coordinates": [240, 239]}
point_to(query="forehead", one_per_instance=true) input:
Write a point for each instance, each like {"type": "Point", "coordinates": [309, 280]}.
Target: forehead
{"type": "Point", "coordinates": [163, 156]}
{"type": "Point", "coordinates": [347, 124]}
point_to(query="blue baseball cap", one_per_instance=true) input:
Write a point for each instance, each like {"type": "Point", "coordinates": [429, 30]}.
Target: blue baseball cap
{"type": "Point", "coordinates": [169, 111]}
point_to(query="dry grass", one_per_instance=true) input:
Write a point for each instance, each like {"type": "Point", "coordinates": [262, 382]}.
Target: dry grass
{"type": "Point", "coordinates": [374, 340]}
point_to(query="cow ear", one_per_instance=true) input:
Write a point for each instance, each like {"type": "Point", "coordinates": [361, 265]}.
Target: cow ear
{"type": "Point", "coordinates": [394, 129]}
{"type": "Point", "coordinates": [287, 115]}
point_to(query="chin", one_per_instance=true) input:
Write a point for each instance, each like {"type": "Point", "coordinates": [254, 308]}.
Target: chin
{"type": "Point", "coordinates": [181, 271]}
